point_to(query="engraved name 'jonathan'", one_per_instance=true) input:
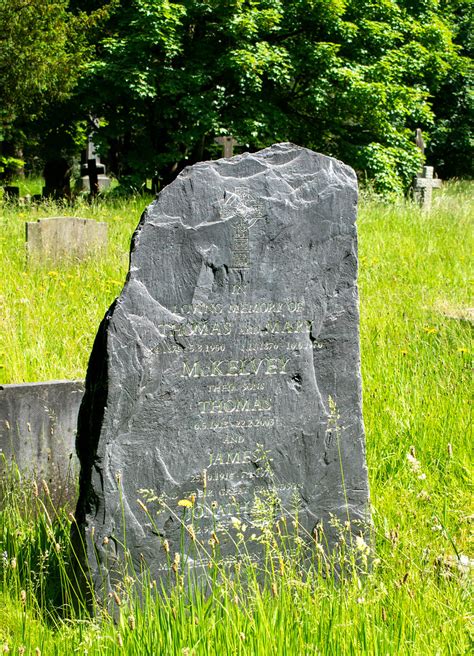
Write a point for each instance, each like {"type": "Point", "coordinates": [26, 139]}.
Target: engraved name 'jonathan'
{"type": "Point", "coordinates": [246, 367]}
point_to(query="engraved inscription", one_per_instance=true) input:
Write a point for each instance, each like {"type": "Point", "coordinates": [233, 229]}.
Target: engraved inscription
{"type": "Point", "coordinates": [246, 367]}
{"type": "Point", "coordinates": [244, 210]}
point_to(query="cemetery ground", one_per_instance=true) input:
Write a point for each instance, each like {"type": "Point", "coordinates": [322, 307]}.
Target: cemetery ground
{"type": "Point", "coordinates": [410, 591]}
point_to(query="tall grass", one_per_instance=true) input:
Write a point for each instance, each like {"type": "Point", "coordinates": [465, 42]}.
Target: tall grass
{"type": "Point", "coordinates": [415, 338]}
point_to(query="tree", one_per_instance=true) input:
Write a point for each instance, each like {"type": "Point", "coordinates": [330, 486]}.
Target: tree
{"type": "Point", "coordinates": [42, 49]}
{"type": "Point", "coordinates": [451, 143]}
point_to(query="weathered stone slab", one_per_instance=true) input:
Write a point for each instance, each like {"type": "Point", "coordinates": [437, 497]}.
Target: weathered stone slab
{"type": "Point", "coordinates": [423, 185]}
{"type": "Point", "coordinates": [227, 374]}
{"type": "Point", "coordinates": [65, 236]}
{"type": "Point", "coordinates": [38, 424]}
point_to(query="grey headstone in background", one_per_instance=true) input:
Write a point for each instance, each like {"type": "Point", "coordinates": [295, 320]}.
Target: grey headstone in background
{"type": "Point", "coordinates": [423, 186]}
{"type": "Point", "coordinates": [38, 424]}
{"type": "Point", "coordinates": [65, 236]}
{"type": "Point", "coordinates": [103, 181]}
{"type": "Point", "coordinates": [228, 371]}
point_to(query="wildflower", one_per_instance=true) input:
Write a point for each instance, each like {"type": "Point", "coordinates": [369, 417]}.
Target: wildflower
{"type": "Point", "coordinates": [424, 496]}
{"type": "Point", "coordinates": [192, 498]}
{"type": "Point", "coordinates": [403, 351]}
{"type": "Point", "coordinates": [185, 503]}
{"type": "Point", "coordinates": [236, 523]}
{"type": "Point", "coordinates": [214, 505]}
{"type": "Point", "coordinates": [214, 538]}
{"type": "Point", "coordinates": [465, 564]}
{"type": "Point", "coordinates": [463, 349]}
{"type": "Point", "coordinates": [361, 545]}
{"type": "Point", "coordinates": [412, 461]}
{"type": "Point", "coordinates": [53, 274]}
{"type": "Point", "coordinates": [431, 330]}
{"type": "Point", "coordinates": [176, 562]}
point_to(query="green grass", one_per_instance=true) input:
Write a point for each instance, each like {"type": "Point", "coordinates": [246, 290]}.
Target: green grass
{"type": "Point", "coordinates": [415, 338]}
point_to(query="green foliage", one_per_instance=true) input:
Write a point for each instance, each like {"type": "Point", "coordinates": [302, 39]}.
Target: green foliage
{"type": "Point", "coordinates": [43, 49]}
{"type": "Point", "coordinates": [346, 78]}
{"type": "Point", "coordinates": [10, 165]}
{"type": "Point", "coordinates": [452, 141]}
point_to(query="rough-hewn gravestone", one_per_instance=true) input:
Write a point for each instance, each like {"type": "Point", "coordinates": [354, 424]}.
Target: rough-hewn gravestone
{"type": "Point", "coordinates": [227, 374]}
{"type": "Point", "coordinates": [65, 236]}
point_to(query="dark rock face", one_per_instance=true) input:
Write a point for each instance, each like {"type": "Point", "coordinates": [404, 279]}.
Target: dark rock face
{"type": "Point", "coordinates": [227, 373]}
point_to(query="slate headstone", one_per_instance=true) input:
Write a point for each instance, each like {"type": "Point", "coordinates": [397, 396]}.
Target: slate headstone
{"type": "Point", "coordinates": [64, 236]}
{"type": "Point", "coordinates": [224, 383]}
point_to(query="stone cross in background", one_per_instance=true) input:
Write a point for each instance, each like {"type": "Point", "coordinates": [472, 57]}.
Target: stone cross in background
{"type": "Point", "coordinates": [423, 186]}
{"type": "Point", "coordinates": [227, 144]}
{"type": "Point", "coordinates": [424, 182]}
{"type": "Point", "coordinates": [93, 176]}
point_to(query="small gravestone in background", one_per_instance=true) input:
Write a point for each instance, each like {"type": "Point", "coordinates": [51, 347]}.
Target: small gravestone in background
{"type": "Point", "coordinates": [424, 182]}
{"type": "Point", "coordinates": [224, 384]}
{"type": "Point", "coordinates": [64, 236]}
{"type": "Point", "coordinates": [92, 167]}
{"type": "Point", "coordinates": [423, 186]}
{"type": "Point", "coordinates": [228, 142]}
{"type": "Point", "coordinates": [37, 431]}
